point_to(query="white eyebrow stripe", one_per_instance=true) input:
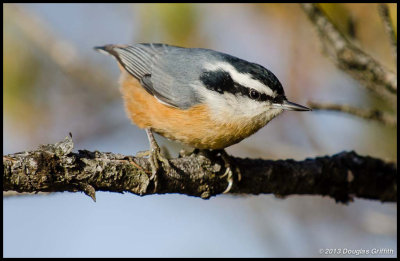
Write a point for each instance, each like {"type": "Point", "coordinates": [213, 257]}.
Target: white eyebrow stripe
{"type": "Point", "coordinates": [241, 78]}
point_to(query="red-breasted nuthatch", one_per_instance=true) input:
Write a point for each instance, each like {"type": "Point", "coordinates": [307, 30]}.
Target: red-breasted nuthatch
{"type": "Point", "coordinates": [200, 97]}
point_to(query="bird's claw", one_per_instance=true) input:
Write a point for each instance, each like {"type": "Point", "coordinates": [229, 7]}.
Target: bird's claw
{"type": "Point", "coordinates": [229, 173]}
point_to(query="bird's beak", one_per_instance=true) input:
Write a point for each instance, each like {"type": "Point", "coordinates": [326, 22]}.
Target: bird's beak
{"type": "Point", "coordinates": [290, 106]}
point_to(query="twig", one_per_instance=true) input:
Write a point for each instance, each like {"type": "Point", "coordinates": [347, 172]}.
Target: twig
{"type": "Point", "coordinates": [376, 115]}
{"type": "Point", "coordinates": [352, 59]}
{"type": "Point", "coordinates": [54, 168]}
{"type": "Point", "coordinates": [385, 15]}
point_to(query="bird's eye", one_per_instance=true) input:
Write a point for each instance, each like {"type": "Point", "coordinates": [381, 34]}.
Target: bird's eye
{"type": "Point", "coordinates": [255, 95]}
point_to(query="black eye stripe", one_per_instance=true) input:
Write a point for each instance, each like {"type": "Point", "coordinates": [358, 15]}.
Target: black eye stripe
{"type": "Point", "coordinates": [245, 91]}
{"type": "Point", "coordinates": [265, 97]}
{"type": "Point", "coordinates": [221, 82]}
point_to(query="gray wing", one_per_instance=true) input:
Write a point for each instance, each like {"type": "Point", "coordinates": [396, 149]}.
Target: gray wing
{"type": "Point", "coordinates": [160, 71]}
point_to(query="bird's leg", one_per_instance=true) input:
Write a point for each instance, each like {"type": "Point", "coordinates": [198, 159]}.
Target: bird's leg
{"type": "Point", "coordinates": [155, 157]}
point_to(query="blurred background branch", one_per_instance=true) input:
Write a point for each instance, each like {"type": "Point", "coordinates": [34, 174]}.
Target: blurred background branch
{"type": "Point", "coordinates": [63, 53]}
{"type": "Point", "coordinates": [351, 59]}
{"type": "Point", "coordinates": [388, 24]}
{"type": "Point", "coordinates": [91, 87]}
{"type": "Point", "coordinates": [354, 61]}
{"type": "Point", "coordinates": [376, 115]}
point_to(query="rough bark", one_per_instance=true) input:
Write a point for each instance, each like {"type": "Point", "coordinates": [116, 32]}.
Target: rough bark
{"type": "Point", "coordinates": [55, 168]}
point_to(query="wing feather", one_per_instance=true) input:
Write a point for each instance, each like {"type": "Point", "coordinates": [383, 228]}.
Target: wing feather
{"type": "Point", "coordinates": [158, 76]}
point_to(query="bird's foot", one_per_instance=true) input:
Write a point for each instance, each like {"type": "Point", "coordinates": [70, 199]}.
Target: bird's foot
{"type": "Point", "coordinates": [228, 164]}
{"type": "Point", "coordinates": [155, 157]}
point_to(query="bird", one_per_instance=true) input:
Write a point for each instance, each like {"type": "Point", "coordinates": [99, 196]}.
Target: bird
{"type": "Point", "coordinates": [203, 98]}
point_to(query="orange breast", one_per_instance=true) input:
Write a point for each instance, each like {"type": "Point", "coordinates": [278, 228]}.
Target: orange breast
{"type": "Point", "coordinates": [193, 126]}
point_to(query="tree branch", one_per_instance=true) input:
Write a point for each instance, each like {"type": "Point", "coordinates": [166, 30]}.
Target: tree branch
{"type": "Point", "coordinates": [352, 59]}
{"type": "Point", "coordinates": [385, 15]}
{"type": "Point", "coordinates": [54, 168]}
{"type": "Point", "coordinates": [376, 115]}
